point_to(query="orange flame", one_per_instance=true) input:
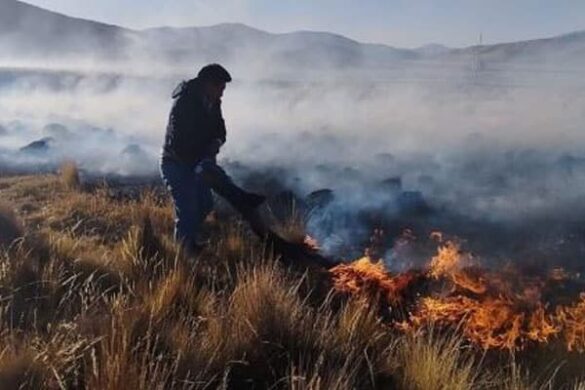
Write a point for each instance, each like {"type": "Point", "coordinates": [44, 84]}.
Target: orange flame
{"type": "Point", "coordinates": [447, 260]}
{"type": "Point", "coordinates": [364, 276]}
{"type": "Point", "coordinates": [311, 243]}
{"type": "Point", "coordinates": [502, 310]}
{"type": "Point", "coordinates": [573, 319]}
{"type": "Point", "coordinates": [490, 323]}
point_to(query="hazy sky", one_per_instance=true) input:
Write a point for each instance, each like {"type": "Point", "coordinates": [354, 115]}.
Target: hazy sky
{"type": "Point", "coordinates": [404, 23]}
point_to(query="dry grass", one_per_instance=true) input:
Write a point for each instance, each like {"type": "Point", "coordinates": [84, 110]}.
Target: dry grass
{"type": "Point", "coordinates": [70, 175]}
{"type": "Point", "coordinates": [578, 386]}
{"type": "Point", "coordinates": [10, 226]}
{"type": "Point", "coordinates": [291, 223]}
{"type": "Point", "coordinates": [437, 362]}
{"type": "Point", "coordinates": [98, 296]}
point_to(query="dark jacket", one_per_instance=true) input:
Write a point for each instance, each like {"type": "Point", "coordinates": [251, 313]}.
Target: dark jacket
{"type": "Point", "coordinates": [194, 124]}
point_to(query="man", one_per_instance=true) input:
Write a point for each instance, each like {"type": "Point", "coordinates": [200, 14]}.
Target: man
{"type": "Point", "coordinates": [195, 132]}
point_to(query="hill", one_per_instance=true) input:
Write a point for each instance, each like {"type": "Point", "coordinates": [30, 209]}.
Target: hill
{"type": "Point", "coordinates": [30, 32]}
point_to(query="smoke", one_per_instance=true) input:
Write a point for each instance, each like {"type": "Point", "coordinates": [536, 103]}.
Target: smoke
{"type": "Point", "coordinates": [446, 142]}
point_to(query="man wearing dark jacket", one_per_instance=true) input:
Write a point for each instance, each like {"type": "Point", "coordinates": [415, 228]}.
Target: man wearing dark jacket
{"type": "Point", "coordinates": [195, 132]}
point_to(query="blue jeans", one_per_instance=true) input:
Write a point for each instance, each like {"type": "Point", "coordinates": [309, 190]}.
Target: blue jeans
{"type": "Point", "coordinates": [192, 199]}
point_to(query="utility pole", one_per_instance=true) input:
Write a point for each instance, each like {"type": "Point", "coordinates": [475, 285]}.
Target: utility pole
{"type": "Point", "coordinates": [477, 65]}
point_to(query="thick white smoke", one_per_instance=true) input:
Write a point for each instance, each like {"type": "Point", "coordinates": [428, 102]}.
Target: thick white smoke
{"type": "Point", "coordinates": [489, 139]}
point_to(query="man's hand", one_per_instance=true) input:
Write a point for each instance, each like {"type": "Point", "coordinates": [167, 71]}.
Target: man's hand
{"type": "Point", "coordinates": [213, 148]}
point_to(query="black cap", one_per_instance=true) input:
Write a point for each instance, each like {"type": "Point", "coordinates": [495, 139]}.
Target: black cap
{"type": "Point", "coordinates": [215, 73]}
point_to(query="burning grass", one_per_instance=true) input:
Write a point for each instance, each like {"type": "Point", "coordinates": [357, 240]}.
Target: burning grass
{"type": "Point", "coordinates": [492, 309]}
{"type": "Point", "coordinates": [97, 296]}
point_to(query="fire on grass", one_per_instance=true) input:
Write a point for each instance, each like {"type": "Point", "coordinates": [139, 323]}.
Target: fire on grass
{"type": "Point", "coordinates": [495, 309]}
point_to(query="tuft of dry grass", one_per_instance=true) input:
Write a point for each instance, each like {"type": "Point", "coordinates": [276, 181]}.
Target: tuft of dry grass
{"type": "Point", "coordinates": [432, 362]}
{"type": "Point", "coordinates": [293, 226]}
{"type": "Point", "coordinates": [69, 174]}
{"type": "Point", "coordinates": [11, 227]}
{"type": "Point", "coordinates": [20, 370]}
{"type": "Point", "coordinates": [579, 385]}
{"type": "Point", "coordinates": [125, 357]}
{"type": "Point", "coordinates": [515, 377]}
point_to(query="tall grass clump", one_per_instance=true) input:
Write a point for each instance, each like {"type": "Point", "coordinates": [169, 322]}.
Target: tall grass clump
{"type": "Point", "coordinates": [437, 362]}
{"type": "Point", "coordinates": [69, 174]}
{"type": "Point", "coordinates": [11, 227]}
{"type": "Point", "coordinates": [580, 385]}
{"type": "Point", "coordinates": [515, 377]}
{"type": "Point", "coordinates": [289, 220]}
{"type": "Point", "coordinates": [283, 341]}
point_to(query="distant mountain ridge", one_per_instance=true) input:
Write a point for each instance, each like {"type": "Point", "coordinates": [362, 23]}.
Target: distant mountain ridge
{"type": "Point", "coordinates": [31, 32]}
